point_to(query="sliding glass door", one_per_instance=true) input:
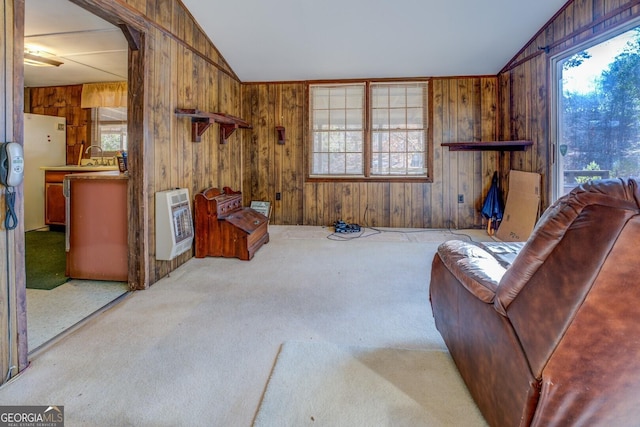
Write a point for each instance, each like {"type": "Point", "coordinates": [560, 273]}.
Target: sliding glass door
{"type": "Point", "coordinates": [597, 107]}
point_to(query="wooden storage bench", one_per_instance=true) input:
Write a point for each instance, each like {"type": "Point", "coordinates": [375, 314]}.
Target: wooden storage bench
{"type": "Point", "coordinates": [224, 228]}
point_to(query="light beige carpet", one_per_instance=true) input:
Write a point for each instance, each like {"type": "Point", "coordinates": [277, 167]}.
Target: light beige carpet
{"type": "Point", "coordinates": [198, 347]}
{"type": "Point", "coordinates": [52, 312]}
{"type": "Point", "coordinates": [322, 384]}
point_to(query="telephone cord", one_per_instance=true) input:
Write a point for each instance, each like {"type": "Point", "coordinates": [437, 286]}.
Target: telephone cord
{"type": "Point", "coordinates": [11, 219]}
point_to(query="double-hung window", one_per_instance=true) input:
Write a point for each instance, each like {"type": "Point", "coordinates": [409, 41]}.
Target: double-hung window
{"type": "Point", "coordinates": [369, 130]}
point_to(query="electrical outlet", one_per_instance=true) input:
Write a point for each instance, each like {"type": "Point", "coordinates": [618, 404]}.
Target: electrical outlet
{"type": "Point", "coordinates": [460, 198]}
{"type": "Point", "coordinates": [278, 196]}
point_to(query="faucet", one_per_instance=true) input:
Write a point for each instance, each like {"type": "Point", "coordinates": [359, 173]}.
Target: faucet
{"type": "Point", "coordinates": [101, 152]}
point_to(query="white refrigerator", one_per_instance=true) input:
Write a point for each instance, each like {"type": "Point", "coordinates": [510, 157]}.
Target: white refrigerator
{"type": "Point", "coordinates": [44, 145]}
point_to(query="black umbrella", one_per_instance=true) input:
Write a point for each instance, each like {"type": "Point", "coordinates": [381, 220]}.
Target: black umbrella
{"type": "Point", "coordinates": [492, 208]}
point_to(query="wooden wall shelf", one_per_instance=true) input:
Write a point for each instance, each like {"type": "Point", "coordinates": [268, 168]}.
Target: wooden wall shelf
{"type": "Point", "coordinates": [488, 145]}
{"type": "Point", "coordinates": [201, 120]}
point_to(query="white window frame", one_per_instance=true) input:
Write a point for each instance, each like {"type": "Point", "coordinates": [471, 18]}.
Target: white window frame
{"type": "Point", "coordinates": [335, 153]}
{"type": "Point", "coordinates": [98, 122]}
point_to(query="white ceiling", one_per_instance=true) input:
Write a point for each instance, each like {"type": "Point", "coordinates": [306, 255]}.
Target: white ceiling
{"type": "Point", "coordinates": [91, 49]}
{"type": "Point", "coordinates": [284, 40]}
{"type": "Point", "coordinates": [340, 39]}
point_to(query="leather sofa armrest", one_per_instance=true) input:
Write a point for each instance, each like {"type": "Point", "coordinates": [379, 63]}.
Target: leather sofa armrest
{"type": "Point", "coordinates": [475, 268]}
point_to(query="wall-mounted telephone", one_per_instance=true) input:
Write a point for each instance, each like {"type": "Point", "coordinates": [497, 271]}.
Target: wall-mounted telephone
{"type": "Point", "coordinates": [11, 164]}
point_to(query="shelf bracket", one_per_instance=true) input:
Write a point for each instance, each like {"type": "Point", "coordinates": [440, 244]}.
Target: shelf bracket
{"type": "Point", "coordinates": [198, 126]}
{"type": "Point", "coordinates": [280, 130]}
{"type": "Point", "coordinates": [200, 122]}
{"type": "Point", "coordinates": [225, 131]}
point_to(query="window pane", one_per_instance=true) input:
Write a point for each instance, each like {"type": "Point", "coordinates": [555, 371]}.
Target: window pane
{"type": "Point", "coordinates": [337, 119]}
{"type": "Point", "coordinates": [398, 142]}
{"type": "Point", "coordinates": [354, 164]}
{"type": "Point", "coordinates": [337, 163]}
{"type": "Point", "coordinates": [401, 108]}
{"type": "Point", "coordinates": [415, 141]}
{"type": "Point", "coordinates": [379, 97]}
{"type": "Point", "coordinates": [354, 119]}
{"type": "Point", "coordinates": [380, 119]}
{"type": "Point", "coordinates": [321, 99]}
{"type": "Point", "coordinates": [398, 163]}
{"type": "Point", "coordinates": [398, 118]}
{"type": "Point", "coordinates": [342, 110]}
{"type": "Point", "coordinates": [337, 142]}
{"type": "Point", "coordinates": [321, 120]}
{"type": "Point", "coordinates": [380, 142]}
{"type": "Point", "coordinates": [337, 99]}
{"type": "Point", "coordinates": [321, 142]}
{"type": "Point", "coordinates": [415, 97]}
{"type": "Point", "coordinates": [354, 142]}
{"type": "Point", "coordinates": [355, 97]}
{"type": "Point", "coordinates": [397, 97]}
{"type": "Point", "coordinates": [414, 118]}
{"type": "Point", "coordinates": [320, 164]}
{"type": "Point", "coordinates": [416, 163]}
{"type": "Point", "coordinates": [380, 163]}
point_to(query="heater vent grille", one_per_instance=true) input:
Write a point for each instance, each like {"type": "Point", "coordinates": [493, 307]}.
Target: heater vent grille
{"type": "Point", "coordinates": [174, 223]}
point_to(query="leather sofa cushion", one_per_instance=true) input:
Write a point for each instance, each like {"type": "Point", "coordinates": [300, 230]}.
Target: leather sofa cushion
{"type": "Point", "coordinates": [477, 270]}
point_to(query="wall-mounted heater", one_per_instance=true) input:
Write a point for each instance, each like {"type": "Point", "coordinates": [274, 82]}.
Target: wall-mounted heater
{"type": "Point", "coordinates": [174, 225]}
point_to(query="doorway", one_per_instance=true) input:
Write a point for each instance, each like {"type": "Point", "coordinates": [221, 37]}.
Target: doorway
{"type": "Point", "coordinates": [89, 50]}
{"type": "Point", "coordinates": [598, 110]}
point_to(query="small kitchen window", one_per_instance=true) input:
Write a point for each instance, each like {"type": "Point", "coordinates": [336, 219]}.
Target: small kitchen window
{"type": "Point", "coordinates": [109, 129]}
{"type": "Point", "coordinates": [108, 104]}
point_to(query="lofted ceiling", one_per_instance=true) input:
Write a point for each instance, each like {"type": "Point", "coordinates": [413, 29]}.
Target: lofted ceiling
{"type": "Point", "coordinates": [292, 40]}
{"type": "Point", "coordinates": [341, 39]}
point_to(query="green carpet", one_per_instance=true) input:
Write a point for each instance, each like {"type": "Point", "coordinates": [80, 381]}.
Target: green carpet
{"type": "Point", "coordinates": [45, 259]}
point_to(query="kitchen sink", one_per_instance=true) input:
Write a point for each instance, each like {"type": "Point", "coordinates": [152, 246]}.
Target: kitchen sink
{"type": "Point", "coordinates": [99, 161]}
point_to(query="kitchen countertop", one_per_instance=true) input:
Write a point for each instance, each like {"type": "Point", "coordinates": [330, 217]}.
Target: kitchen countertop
{"type": "Point", "coordinates": [76, 168]}
{"type": "Point", "coordinates": [102, 175]}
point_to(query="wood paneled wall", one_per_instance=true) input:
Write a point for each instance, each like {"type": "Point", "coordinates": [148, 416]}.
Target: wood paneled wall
{"type": "Point", "coordinates": [269, 167]}
{"type": "Point", "coordinates": [180, 68]}
{"type": "Point", "coordinates": [464, 109]}
{"type": "Point", "coordinates": [13, 315]}
{"type": "Point", "coordinates": [525, 91]}
{"type": "Point", "coordinates": [172, 64]}
{"type": "Point", "coordinates": [63, 101]}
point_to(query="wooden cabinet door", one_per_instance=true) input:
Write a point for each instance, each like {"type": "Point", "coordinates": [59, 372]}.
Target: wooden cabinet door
{"type": "Point", "coordinates": [54, 210]}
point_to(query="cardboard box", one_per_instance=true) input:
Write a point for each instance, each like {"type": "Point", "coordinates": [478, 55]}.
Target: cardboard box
{"type": "Point", "coordinates": [522, 207]}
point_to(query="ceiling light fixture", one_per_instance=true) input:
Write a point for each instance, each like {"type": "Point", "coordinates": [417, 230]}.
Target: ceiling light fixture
{"type": "Point", "coordinates": [32, 58]}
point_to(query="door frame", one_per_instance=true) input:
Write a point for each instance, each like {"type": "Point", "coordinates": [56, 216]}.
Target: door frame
{"type": "Point", "coordinates": [556, 180]}
{"type": "Point", "coordinates": [134, 29]}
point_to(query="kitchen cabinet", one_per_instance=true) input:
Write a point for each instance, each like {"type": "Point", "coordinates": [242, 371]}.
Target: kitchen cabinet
{"type": "Point", "coordinates": [54, 211]}
{"type": "Point", "coordinates": [54, 200]}
{"type": "Point", "coordinates": [97, 228]}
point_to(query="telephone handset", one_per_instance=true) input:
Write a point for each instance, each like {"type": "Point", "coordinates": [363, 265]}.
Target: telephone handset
{"type": "Point", "coordinates": [11, 164]}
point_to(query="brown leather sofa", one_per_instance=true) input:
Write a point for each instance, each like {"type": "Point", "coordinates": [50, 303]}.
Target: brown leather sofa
{"type": "Point", "coordinates": [550, 337]}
